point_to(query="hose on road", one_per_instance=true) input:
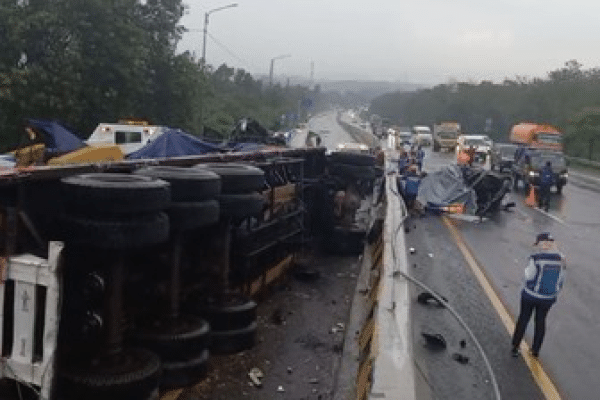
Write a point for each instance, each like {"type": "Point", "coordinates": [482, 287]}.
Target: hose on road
{"type": "Point", "coordinates": [438, 297]}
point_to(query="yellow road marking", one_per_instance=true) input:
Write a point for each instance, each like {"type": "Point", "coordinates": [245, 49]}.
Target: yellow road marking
{"type": "Point", "coordinates": [542, 379]}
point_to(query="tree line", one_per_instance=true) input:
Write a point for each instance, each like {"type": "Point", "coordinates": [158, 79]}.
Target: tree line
{"type": "Point", "coordinates": [91, 61]}
{"type": "Point", "coordinates": [568, 98]}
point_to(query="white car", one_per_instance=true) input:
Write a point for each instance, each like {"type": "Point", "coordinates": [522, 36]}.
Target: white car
{"type": "Point", "coordinates": [477, 141]}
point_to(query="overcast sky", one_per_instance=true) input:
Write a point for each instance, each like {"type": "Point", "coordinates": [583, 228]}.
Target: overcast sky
{"type": "Point", "coordinates": [417, 41]}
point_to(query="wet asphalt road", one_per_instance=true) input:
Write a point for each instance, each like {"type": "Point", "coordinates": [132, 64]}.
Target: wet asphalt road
{"type": "Point", "coordinates": [570, 354]}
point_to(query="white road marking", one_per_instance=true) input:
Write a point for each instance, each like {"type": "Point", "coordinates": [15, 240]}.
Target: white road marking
{"type": "Point", "coordinates": [554, 217]}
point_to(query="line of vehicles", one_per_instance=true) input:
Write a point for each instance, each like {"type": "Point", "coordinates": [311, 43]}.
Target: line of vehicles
{"type": "Point", "coordinates": [530, 147]}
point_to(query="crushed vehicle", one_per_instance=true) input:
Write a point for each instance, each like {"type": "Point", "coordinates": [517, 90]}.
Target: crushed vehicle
{"type": "Point", "coordinates": [527, 167]}
{"type": "Point", "coordinates": [474, 190]}
{"type": "Point", "coordinates": [49, 142]}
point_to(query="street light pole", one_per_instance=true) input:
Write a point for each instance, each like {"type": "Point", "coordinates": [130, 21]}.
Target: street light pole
{"type": "Point", "coordinates": [272, 63]}
{"type": "Point", "coordinates": [206, 14]}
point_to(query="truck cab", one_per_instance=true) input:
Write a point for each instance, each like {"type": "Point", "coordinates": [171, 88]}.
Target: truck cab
{"type": "Point", "coordinates": [445, 135]}
{"type": "Point", "coordinates": [530, 162]}
{"type": "Point", "coordinates": [541, 136]}
{"type": "Point", "coordinates": [128, 135]}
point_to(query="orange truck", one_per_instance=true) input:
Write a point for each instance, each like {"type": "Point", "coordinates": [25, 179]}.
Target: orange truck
{"type": "Point", "coordinates": [541, 136]}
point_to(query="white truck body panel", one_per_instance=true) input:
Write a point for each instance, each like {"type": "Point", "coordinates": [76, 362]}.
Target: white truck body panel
{"type": "Point", "coordinates": [129, 137]}
{"type": "Point", "coordinates": [29, 272]}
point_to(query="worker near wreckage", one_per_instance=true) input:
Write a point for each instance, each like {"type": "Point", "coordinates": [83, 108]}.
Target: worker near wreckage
{"type": "Point", "coordinates": [403, 162]}
{"type": "Point", "coordinates": [420, 155]}
{"type": "Point", "coordinates": [409, 187]}
{"type": "Point", "coordinates": [546, 182]}
{"type": "Point", "coordinates": [544, 278]}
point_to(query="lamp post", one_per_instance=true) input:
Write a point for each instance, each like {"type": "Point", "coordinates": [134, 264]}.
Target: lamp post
{"type": "Point", "coordinates": [206, 15]}
{"type": "Point", "coordinates": [273, 62]}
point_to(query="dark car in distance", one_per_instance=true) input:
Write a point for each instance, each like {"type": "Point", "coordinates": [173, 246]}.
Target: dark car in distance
{"type": "Point", "coordinates": [502, 156]}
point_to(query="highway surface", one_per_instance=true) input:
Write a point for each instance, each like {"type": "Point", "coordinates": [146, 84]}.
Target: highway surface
{"type": "Point", "coordinates": [478, 267]}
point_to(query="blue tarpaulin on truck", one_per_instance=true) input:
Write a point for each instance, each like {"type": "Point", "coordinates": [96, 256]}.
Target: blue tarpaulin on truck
{"type": "Point", "coordinates": [174, 143]}
{"type": "Point", "coordinates": [57, 138]}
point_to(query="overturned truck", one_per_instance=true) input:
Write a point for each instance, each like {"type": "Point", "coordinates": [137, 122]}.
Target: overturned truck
{"type": "Point", "coordinates": [120, 279]}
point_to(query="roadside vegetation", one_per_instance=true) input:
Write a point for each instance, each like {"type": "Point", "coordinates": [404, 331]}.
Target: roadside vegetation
{"type": "Point", "coordinates": [85, 62]}
{"type": "Point", "coordinates": [568, 98]}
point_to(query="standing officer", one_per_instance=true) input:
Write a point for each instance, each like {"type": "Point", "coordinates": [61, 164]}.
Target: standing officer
{"type": "Point", "coordinates": [420, 156]}
{"type": "Point", "coordinates": [546, 182]}
{"type": "Point", "coordinates": [544, 277]}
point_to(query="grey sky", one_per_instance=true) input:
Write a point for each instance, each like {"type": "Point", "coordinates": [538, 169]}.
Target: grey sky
{"type": "Point", "coordinates": [419, 41]}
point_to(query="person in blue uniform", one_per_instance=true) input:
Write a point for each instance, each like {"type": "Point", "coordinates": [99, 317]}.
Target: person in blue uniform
{"type": "Point", "coordinates": [544, 276]}
{"type": "Point", "coordinates": [546, 182]}
{"type": "Point", "coordinates": [420, 156]}
{"type": "Point", "coordinates": [403, 162]}
{"type": "Point", "coordinates": [409, 187]}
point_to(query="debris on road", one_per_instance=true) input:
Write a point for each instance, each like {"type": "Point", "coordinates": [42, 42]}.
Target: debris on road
{"type": "Point", "coordinates": [434, 341]}
{"type": "Point", "coordinates": [255, 376]}
{"type": "Point", "coordinates": [427, 298]}
{"type": "Point", "coordinates": [460, 358]}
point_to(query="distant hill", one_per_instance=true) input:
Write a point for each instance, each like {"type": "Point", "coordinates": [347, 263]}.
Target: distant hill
{"type": "Point", "coordinates": [368, 89]}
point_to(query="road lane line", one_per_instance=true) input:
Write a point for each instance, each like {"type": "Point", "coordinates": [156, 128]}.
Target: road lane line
{"type": "Point", "coordinates": [542, 379]}
{"type": "Point", "coordinates": [547, 214]}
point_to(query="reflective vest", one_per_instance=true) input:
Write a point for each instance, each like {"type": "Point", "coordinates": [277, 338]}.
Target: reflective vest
{"type": "Point", "coordinates": [548, 278]}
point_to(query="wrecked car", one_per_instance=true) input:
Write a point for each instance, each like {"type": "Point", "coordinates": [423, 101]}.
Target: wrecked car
{"type": "Point", "coordinates": [476, 191]}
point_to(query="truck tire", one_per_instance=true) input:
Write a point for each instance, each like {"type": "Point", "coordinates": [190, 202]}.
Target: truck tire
{"type": "Point", "coordinates": [135, 376]}
{"type": "Point", "coordinates": [187, 216]}
{"type": "Point", "coordinates": [233, 341]}
{"type": "Point", "coordinates": [340, 157]}
{"type": "Point", "coordinates": [186, 372]}
{"type": "Point", "coordinates": [116, 233]}
{"type": "Point", "coordinates": [233, 311]}
{"type": "Point", "coordinates": [174, 340]}
{"type": "Point", "coordinates": [241, 205]}
{"type": "Point", "coordinates": [237, 178]}
{"type": "Point", "coordinates": [187, 184]}
{"type": "Point", "coordinates": [109, 193]}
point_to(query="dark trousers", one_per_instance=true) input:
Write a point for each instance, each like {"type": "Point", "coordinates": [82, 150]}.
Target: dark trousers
{"type": "Point", "coordinates": [544, 196]}
{"type": "Point", "coordinates": [528, 305]}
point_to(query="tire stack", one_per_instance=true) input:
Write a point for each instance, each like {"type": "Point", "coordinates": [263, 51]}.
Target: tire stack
{"type": "Point", "coordinates": [109, 215]}
{"type": "Point", "coordinates": [232, 316]}
{"type": "Point", "coordinates": [182, 340]}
